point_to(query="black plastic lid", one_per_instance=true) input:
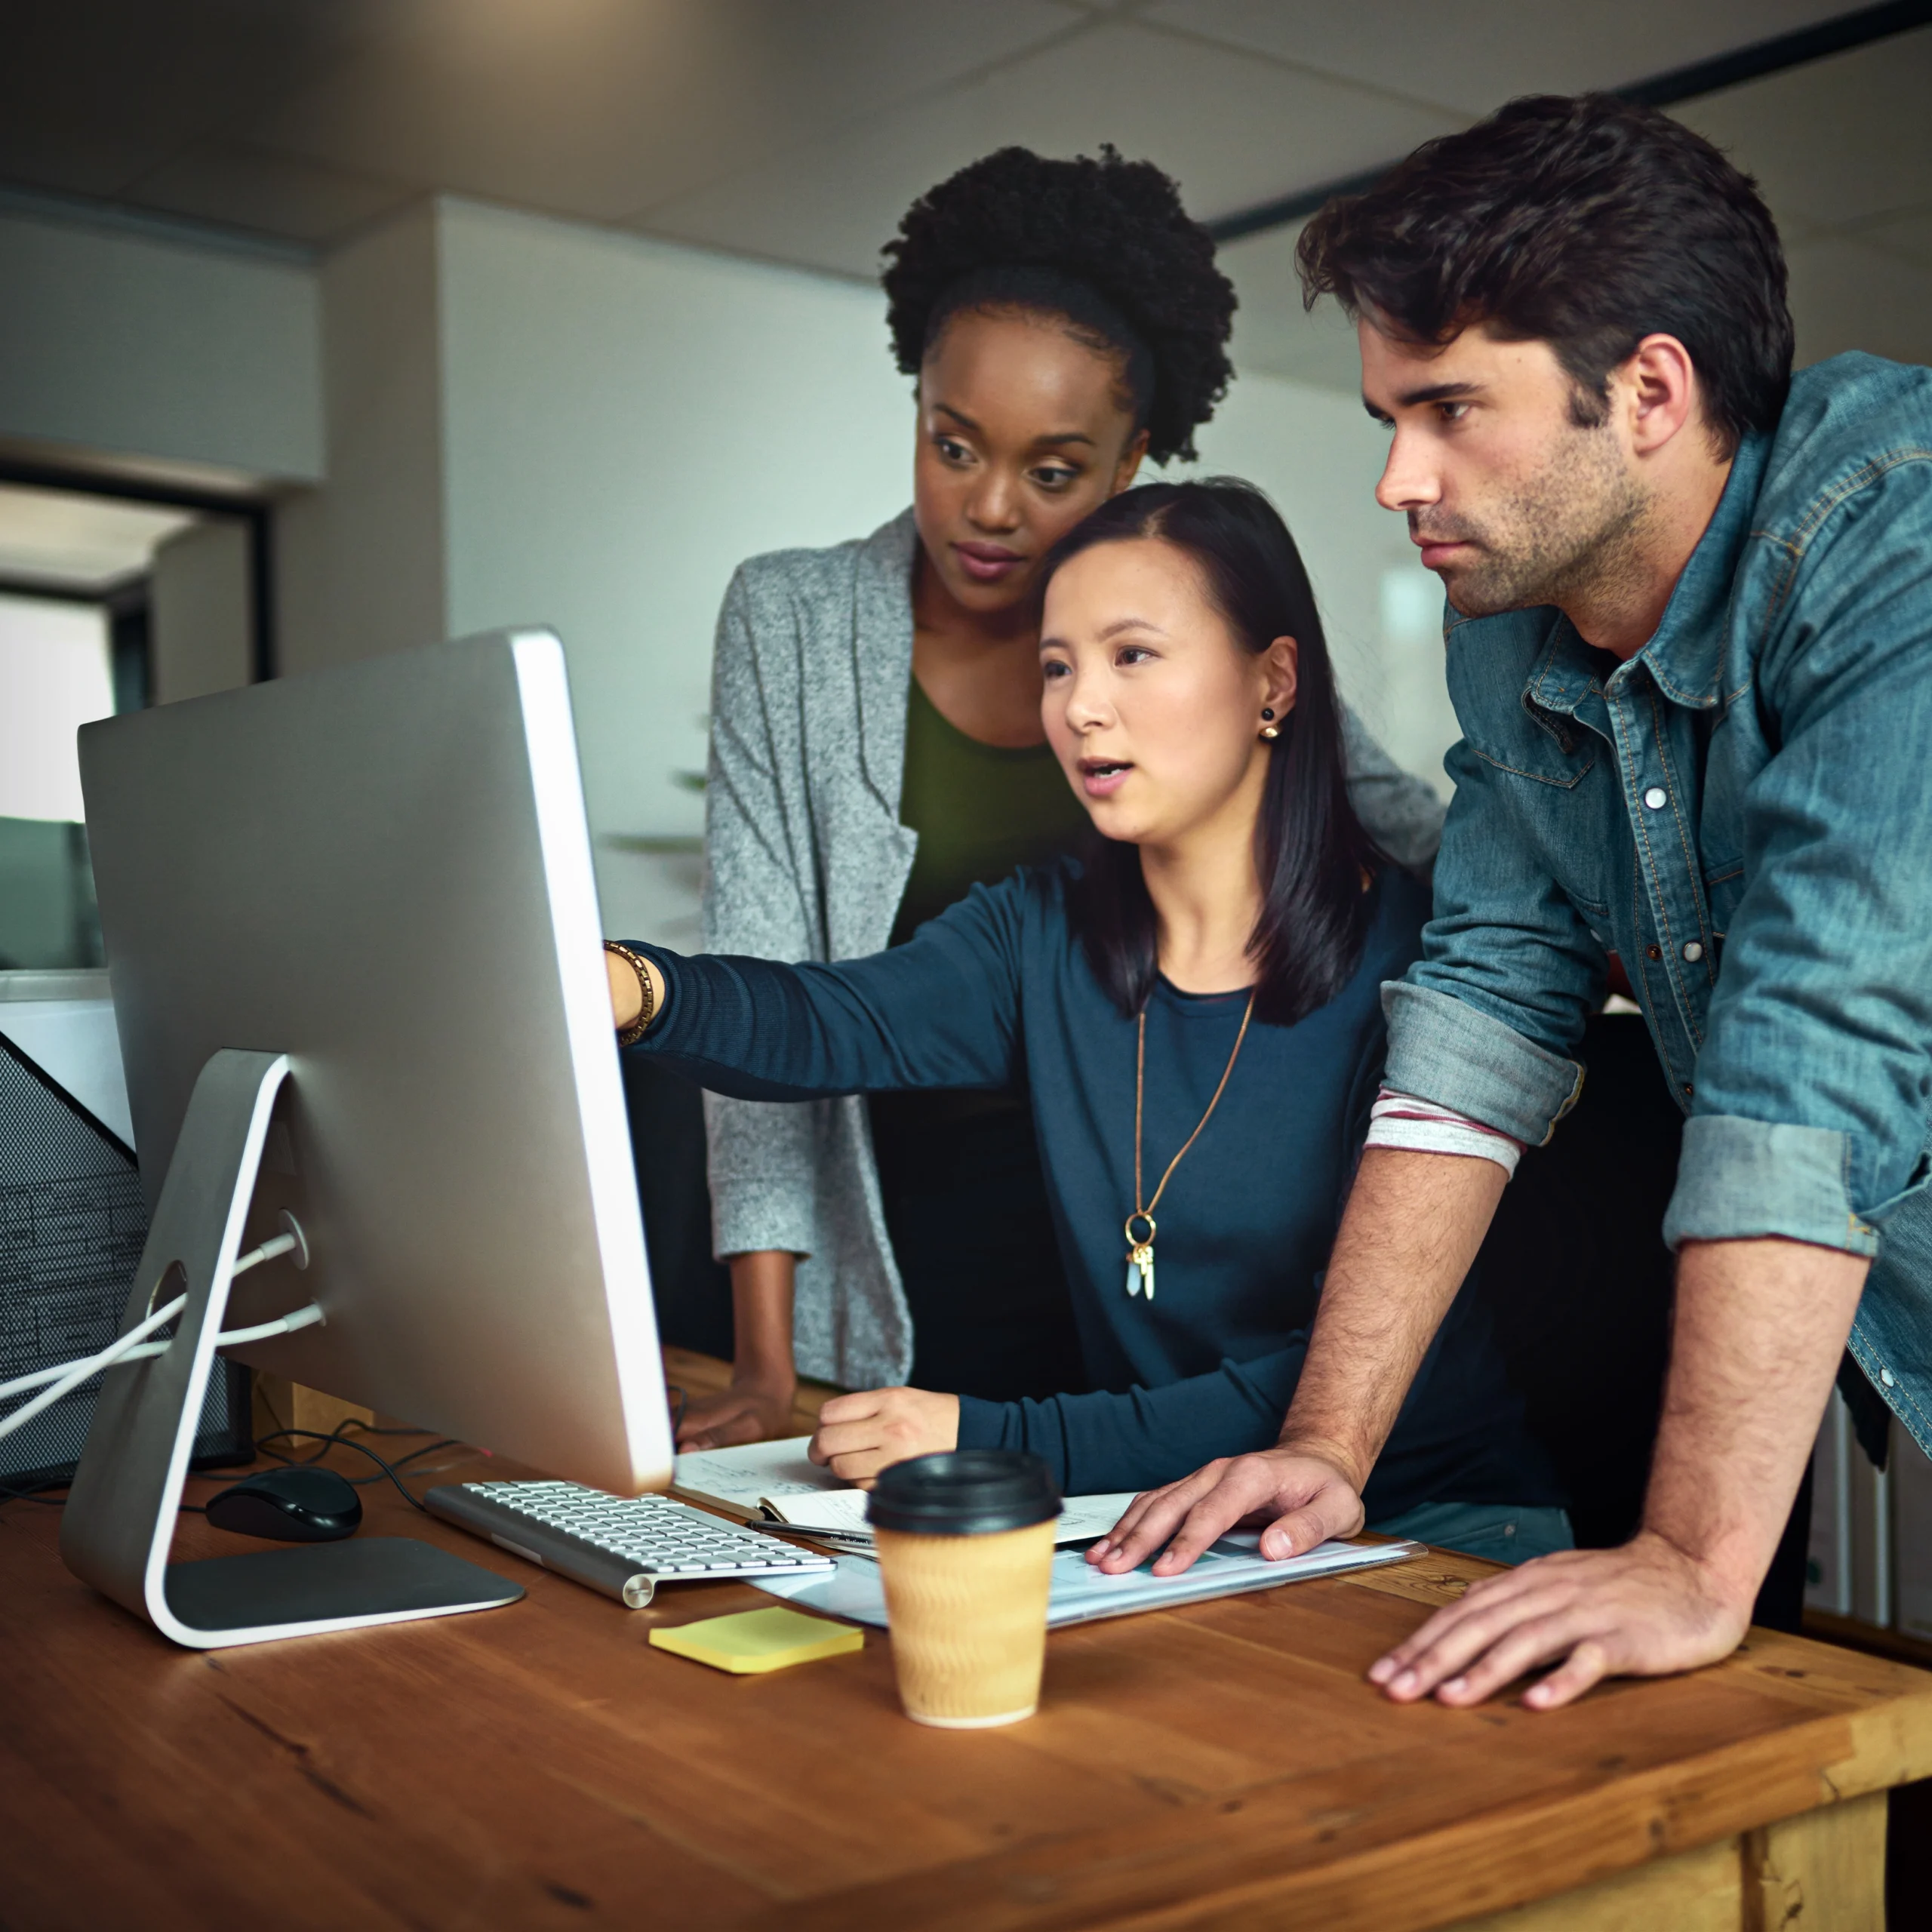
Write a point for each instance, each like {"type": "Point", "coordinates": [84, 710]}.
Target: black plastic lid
{"type": "Point", "coordinates": [964, 1493]}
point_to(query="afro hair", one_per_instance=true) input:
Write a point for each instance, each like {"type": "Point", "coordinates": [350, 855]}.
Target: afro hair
{"type": "Point", "coordinates": [1103, 242]}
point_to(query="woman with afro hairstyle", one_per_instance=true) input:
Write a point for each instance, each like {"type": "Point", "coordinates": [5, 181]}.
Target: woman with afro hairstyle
{"type": "Point", "coordinates": [877, 749]}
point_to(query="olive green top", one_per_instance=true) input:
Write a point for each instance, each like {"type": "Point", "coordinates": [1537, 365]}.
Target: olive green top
{"type": "Point", "coordinates": [980, 810]}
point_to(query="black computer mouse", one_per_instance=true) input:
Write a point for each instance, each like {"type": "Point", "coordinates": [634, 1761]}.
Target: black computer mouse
{"type": "Point", "coordinates": [290, 1505]}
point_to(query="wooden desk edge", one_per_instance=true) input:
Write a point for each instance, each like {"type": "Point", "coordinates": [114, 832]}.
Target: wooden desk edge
{"type": "Point", "coordinates": [1221, 1867]}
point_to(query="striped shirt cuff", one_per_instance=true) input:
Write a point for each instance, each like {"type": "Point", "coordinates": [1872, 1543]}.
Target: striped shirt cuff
{"type": "Point", "coordinates": [1402, 1120]}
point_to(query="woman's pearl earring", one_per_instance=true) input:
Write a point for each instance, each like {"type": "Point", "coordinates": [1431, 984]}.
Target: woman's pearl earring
{"type": "Point", "coordinates": [1269, 730]}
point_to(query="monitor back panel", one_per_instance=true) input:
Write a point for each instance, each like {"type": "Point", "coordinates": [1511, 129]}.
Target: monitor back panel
{"type": "Point", "coordinates": [383, 871]}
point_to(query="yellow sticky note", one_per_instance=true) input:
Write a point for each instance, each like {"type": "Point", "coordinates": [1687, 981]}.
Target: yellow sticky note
{"type": "Point", "coordinates": [759, 1640]}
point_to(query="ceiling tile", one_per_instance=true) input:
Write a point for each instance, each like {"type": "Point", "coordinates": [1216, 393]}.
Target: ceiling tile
{"type": "Point", "coordinates": [597, 108]}
{"type": "Point", "coordinates": [1909, 235]}
{"type": "Point", "coordinates": [1231, 128]}
{"type": "Point", "coordinates": [1837, 140]}
{"type": "Point", "coordinates": [94, 95]}
{"type": "Point", "coordinates": [1846, 295]}
{"type": "Point", "coordinates": [833, 206]}
{"type": "Point", "coordinates": [241, 187]}
{"type": "Point", "coordinates": [1478, 54]}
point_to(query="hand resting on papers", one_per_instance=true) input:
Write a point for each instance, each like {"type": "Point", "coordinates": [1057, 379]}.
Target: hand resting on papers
{"type": "Point", "coordinates": [1301, 1497]}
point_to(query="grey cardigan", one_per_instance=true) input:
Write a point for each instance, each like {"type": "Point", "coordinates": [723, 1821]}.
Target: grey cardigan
{"type": "Point", "coordinates": [806, 858]}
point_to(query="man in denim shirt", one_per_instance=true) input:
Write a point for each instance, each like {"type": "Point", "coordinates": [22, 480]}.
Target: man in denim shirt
{"type": "Point", "coordinates": [1690, 644]}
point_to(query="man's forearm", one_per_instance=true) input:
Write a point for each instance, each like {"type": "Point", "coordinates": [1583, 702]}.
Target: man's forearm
{"type": "Point", "coordinates": [1758, 1330]}
{"type": "Point", "coordinates": [1413, 1223]}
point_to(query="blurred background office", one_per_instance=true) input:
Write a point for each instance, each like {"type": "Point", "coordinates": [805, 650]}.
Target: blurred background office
{"type": "Point", "coordinates": [334, 327]}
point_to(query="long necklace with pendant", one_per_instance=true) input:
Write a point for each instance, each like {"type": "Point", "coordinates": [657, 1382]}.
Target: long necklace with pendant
{"type": "Point", "coordinates": [1140, 1245]}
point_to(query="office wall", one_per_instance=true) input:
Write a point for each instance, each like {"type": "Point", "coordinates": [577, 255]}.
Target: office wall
{"type": "Point", "coordinates": [155, 349]}
{"type": "Point", "coordinates": [361, 565]}
{"type": "Point", "coordinates": [200, 606]}
{"type": "Point", "coordinates": [626, 420]}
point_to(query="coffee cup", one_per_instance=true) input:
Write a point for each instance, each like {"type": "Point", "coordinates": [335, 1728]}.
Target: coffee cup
{"type": "Point", "coordinates": [965, 1547]}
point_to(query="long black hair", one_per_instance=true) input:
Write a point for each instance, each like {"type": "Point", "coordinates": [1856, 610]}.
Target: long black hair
{"type": "Point", "coordinates": [1312, 854]}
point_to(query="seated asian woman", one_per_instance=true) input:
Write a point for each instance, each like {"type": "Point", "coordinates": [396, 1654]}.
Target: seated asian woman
{"type": "Point", "coordinates": [1194, 1011]}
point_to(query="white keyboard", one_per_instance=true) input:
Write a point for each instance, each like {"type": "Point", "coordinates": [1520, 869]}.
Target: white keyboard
{"type": "Point", "coordinates": [624, 1546]}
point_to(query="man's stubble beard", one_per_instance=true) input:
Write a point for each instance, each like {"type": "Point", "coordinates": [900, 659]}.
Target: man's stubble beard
{"type": "Point", "coordinates": [1572, 537]}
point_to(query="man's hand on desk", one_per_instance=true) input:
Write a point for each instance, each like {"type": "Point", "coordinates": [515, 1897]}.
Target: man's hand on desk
{"type": "Point", "coordinates": [1305, 1497]}
{"type": "Point", "coordinates": [860, 1435]}
{"type": "Point", "coordinates": [1758, 1328]}
{"type": "Point", "coordinates": [1643, 1611]}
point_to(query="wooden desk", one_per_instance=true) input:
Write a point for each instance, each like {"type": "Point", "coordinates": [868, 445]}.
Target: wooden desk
{"type": "Point", "coordinates": [1222, 1765]}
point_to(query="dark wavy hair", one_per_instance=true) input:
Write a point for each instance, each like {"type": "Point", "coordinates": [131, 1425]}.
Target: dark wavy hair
{"type": "Point", "coordinates": [1310, 851]}
{"type": "Point", "coordinates": [1102, 244]}
{"type": "Point", "coordinates": [1586, 223]}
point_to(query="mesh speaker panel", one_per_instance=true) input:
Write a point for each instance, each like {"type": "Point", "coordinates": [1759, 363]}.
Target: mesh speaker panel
{"type": "Point", "coordinates": [73, 1224]}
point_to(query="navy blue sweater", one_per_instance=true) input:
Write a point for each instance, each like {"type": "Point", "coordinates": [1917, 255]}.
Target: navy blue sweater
{"type": "Point", "coordinates": [996, 990]}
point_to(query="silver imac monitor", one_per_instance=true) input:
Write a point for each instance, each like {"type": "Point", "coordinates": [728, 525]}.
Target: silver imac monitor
{"type": "Point", "coordinates": [352, 937]}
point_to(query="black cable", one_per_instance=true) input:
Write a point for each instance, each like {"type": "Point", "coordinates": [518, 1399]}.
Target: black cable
{"type": "Point", "coordinates": [10, 1493]}
{"type": "Point", "coordinates": [30, 1494]}
{"type": "Point", "coordinates": [361, 1448]}
{"type": "Point", "coordinates": [401, 1462]}
{"type": "Point", "coordinates": [335, 1436]}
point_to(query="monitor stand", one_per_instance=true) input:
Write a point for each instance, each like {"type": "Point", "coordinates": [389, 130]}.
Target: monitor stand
{"type": "Point", "coordinates": [120, 1518]}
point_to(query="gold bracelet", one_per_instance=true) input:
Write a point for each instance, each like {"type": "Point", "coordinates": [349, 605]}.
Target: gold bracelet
{"type": "Point", "coordinates": [628, 1036]}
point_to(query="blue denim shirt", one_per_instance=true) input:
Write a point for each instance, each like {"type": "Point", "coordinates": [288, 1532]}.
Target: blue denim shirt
{"type": "Point", "coordinates": [1741, 812]}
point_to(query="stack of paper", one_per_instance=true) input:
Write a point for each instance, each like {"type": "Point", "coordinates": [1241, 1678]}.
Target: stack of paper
{"type": "Point", "coordinates": [838, 1516]}
{"type": "Point", "coordinates": [1081, 1594]}
{"type": "Point", "coordinates": [776, 1482]}
{"type": "Point", "coordinates": [737, 1481]}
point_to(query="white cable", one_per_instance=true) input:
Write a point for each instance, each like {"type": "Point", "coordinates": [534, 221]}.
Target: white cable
{"type": "Point", "coordinates": [134, 1345]}
{"type": "Point", "coordinates": [76, 1373]}
{"type": "Point", "coordinates": [303, 1317]}
{"type": "Point", "coordinates": [269, 1251]}
{"type": "Point", "coordinates": [287, 1324]}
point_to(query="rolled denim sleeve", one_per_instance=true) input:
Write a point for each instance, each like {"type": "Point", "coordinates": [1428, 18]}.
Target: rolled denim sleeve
{"type": "Point", "coordinates": [1441, 1048]}
{"type": "Point", "coordinates": [1814, 1080]}
{"type": "Point", "coordinates": [1738, 1177]}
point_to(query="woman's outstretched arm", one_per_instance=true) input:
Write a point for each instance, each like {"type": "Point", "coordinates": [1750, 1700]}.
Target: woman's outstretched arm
{"type": "Point", "coordinates": [942, 1011]}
